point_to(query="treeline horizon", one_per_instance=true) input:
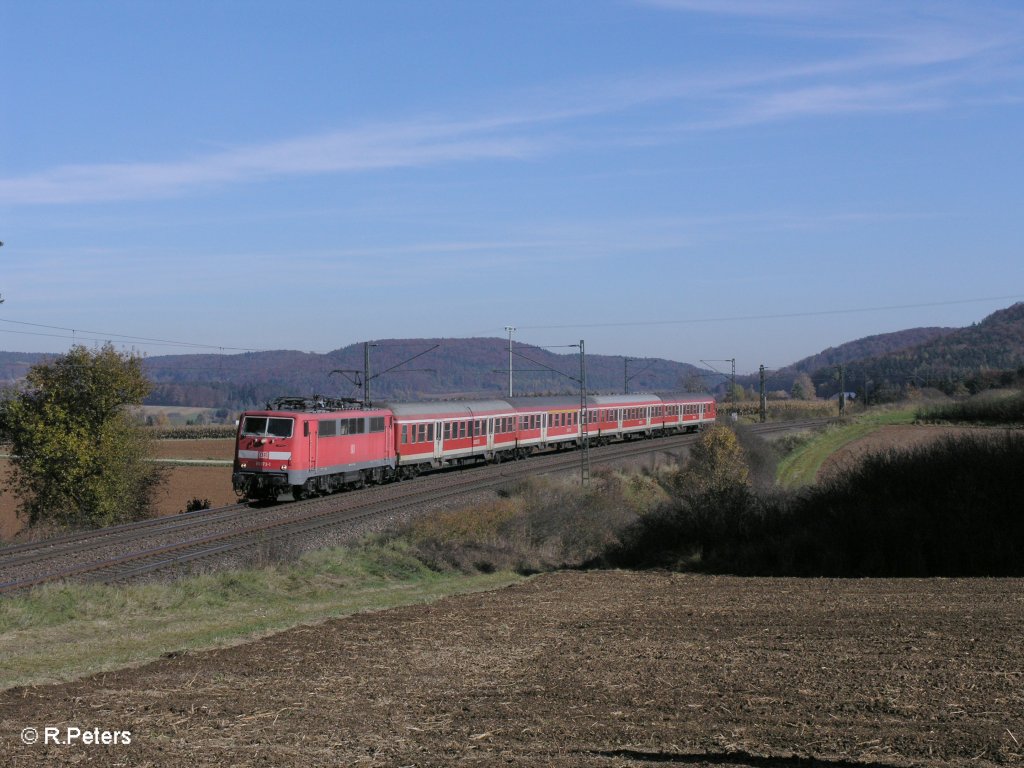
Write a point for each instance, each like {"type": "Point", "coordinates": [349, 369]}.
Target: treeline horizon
{"type": "Point", "coordinates": [878, 369]}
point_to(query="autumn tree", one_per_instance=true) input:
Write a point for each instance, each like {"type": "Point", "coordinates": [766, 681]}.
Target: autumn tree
{"type": "Point", "coordinates": [79, 458]}
{"type": "Point", "coordinates": [735, 393]}
{"type": "Point", "coordinates": [694, 383]}
{"type": "Point", "coordinates": [716, 462]}
{"type": "Point", "coordinates": [803, 388]}
{"type": "Point", "coordinates": [710, 501]}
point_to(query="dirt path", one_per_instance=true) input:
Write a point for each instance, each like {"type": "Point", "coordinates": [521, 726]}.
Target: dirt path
{"type": "Point", "coordinates": [583, 669]}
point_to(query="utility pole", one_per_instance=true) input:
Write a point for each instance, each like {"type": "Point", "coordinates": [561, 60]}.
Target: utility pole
{"type": "Point", "coordinates": [510, 330]}
{"type": "Point", "coordinates": [366, 373]}
{"type": "Point", "coordinates": [732, 378]}
{"type": "Point", "coordinates": [626, 378]}
{"type": "Point", "coordinates": [764, 399]}
{"type": "Point", "coordinates": [842, 391]}
{"type": "Point", "coordinates": [353, 375]}
{"type": "Point", "coordinates": [584, 421]}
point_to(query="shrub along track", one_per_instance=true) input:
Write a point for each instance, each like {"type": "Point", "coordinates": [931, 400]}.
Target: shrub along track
{"type": "Point", "coordinates": [121, 553]}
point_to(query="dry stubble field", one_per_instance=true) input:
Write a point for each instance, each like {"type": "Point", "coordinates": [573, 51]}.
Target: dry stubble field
{"type": "Point", "coordinates": [584, 669]}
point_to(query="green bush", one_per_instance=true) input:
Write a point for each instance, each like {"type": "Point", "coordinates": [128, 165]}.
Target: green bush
{"type": "Point", "coordinates": [952, 508]}
{"type": "Point", "coordinates": [541, 524]}
{"type": "Point", "coordinates": [978, 410]}
{"type": "Point", "coordinates": [78, 457]}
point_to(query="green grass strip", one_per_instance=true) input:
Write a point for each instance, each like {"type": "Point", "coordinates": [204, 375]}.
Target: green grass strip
{"type": "Point", "coordinates": [58, 633]}
{"type": "Point", "coordinates": [801, 467]}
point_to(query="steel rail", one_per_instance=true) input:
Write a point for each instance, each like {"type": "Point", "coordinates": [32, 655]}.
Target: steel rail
{"type": "Point", "coordinates": [416, 495]}
{"type": "Point", "coordinates": [354, 507]}
{"type": "Point", "coordinates": [318, 520]}
{"type": "Point", "coordinates": [38, 550]}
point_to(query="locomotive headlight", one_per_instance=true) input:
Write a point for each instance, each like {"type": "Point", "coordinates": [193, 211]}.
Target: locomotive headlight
{"type": "Point", "coordinates": [284, 466]}
{"type": "Point", "coordinates": [243, 465]}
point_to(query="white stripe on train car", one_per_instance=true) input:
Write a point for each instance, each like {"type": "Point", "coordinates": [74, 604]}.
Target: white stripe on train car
{"type": "Point", "coordinates": [272, 455]}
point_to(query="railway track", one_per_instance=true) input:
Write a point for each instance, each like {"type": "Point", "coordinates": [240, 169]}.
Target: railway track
{"type": "Point", "coordinates": [125, 552]}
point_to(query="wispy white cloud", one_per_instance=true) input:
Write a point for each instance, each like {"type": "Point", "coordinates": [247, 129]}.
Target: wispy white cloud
{"type": "Point", "coordinates": [417, 143]}
{"type": "Point", "coordinates": [893, 59]}
{"type": "Point", "coordinates": [926, 57]}
{"type": "Point", "coordinates": [823, 100]}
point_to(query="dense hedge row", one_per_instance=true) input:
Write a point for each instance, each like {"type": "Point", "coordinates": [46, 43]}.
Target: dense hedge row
{"type": "Point", "coordinates": [193, 432]}
{"type": "Point", "coordinates": [994, 410]}
{"type": "Point", "coordinates": [953, 508]}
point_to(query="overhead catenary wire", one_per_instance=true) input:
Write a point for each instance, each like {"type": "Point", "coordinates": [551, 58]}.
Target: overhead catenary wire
{"type": "Point", "coordinates": [122, 338]}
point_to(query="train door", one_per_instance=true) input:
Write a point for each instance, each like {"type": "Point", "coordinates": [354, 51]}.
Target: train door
{"type": "Point", "coordinates": [438, 440]}
{"type": "Point", "coordinates": [490, 434]}
{"type": "Point", "coordinates": [309, 431]}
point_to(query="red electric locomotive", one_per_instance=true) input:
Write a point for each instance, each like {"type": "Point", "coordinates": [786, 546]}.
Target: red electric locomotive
{"type": "Point", "coordinates": [311, 446]}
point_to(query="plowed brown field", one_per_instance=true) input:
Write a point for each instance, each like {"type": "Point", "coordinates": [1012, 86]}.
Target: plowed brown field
{"type": "Point", "coordinates": [583, 669]}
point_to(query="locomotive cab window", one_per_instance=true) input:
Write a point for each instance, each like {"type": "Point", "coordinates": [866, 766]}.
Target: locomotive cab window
{"type": "Point", "coordinates": [254, 425]}
{"type": "Point", "coordinates": [264, 426]}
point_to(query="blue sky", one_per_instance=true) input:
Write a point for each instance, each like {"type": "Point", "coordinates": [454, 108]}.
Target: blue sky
{"type": "Point", "coordinates": [691, 179]}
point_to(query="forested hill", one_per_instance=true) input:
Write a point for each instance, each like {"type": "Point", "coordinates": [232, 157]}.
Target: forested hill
{"type": "Point", "coordinates": [986, 353]}
{"type": "Point", "coordinates": [447, 368]}
{"type": "Point", "coordinates": [869, 347]}
{"type": "Point", "coordinates": [990, 349]}
{"type": "Point", "coordinates": [14, 365]}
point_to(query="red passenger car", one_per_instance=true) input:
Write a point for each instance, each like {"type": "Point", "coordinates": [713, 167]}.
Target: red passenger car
{"type": "Point", "coordinates": [688, 413]}
{"type": "Point", "coordinates": [433, 435]}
